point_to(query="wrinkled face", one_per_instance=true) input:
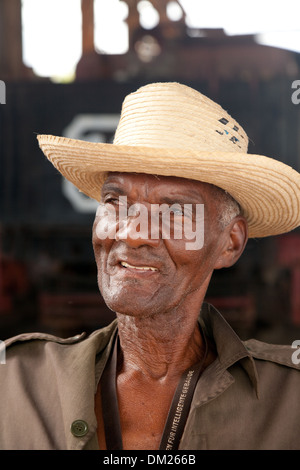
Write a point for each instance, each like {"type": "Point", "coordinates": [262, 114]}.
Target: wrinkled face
{"type": "Point", "coordinates": [143, 275]}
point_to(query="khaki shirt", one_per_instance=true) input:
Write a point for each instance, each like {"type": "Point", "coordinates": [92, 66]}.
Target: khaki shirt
{"type": "Point", "coordinates": [248, 398]}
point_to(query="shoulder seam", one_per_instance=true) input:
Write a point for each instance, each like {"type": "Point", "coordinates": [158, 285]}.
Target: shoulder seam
{"type": "Point", "coordinates": [272, 353]}
{"type": "Point", "coordinates": [43, 337]}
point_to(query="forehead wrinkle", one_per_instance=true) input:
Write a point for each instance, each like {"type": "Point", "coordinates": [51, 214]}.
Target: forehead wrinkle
{"type": "Point", "coordinates": [184, 194]}
{"type": "Point", "coordinates": [107, 187]}
{"type": "Point", "coordinates": [170, 189]}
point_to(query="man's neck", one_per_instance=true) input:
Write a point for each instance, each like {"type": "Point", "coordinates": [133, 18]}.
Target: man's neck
{"type": "Point", "coordinates": [160, 346]}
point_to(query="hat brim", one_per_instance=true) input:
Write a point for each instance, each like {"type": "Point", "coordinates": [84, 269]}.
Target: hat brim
{"type": "Point", "coordinates": [267, 190]}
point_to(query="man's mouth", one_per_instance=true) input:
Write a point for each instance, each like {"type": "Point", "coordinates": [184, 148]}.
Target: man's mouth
{"type": "Point", "coordinates": [138, 268]}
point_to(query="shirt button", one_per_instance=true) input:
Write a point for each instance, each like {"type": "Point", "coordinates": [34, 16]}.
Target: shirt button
{"type": "Point", "coordinates": [79, 428]}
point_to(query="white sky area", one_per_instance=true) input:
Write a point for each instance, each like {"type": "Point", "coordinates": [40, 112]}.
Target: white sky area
{"type": "Point", "coordinates": [52, 41]}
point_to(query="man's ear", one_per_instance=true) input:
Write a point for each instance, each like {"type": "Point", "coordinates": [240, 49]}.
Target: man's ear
{"type": "Point", "coordinates": [236, 236]}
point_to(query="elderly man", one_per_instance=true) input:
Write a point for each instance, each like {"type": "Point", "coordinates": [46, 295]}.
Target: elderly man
{"type": "Point", "coordinates": [179, 196]}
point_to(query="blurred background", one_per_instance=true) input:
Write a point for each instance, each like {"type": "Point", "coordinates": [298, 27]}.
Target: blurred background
{"type": "Point", "coordinates": [65, 67]}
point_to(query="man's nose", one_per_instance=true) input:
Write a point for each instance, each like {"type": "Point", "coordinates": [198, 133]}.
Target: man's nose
{"type": "Point", "coordinates": [135, 229]}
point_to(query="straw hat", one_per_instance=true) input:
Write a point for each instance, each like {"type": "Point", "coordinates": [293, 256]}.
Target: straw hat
{"type": "Point", "coordinates": [170, 129]}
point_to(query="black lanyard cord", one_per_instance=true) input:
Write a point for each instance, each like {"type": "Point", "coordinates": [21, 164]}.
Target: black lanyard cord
{"type": "Point", "coordinates": [178, 412]}
{"type": "Point", "coordinates": [110, 409]}
{"type": "Point", "coordinates": [180, 405]}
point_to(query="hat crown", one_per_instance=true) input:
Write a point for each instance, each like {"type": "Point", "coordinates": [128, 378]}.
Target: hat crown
{"type": "Point", "coordinates": [166, 115]}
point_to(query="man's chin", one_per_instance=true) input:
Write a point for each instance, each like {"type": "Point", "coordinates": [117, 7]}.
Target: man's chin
{"type": "Point", "coordinates": [132, 299]}
{"type": "Point", "coordinates": [129, 306]}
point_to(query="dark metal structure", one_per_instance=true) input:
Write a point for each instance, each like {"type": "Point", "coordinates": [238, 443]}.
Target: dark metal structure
{"type": "Point", "coordinates": [47, 270]}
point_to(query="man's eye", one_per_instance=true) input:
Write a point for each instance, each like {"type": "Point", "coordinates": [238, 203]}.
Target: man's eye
{"type": "Point", "coordinates": [112, 200]}
{"type": "Point", "coordinates": [178, 211]}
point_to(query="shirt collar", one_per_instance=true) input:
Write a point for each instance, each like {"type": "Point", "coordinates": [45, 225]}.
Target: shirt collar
{"type": "Point", "coordinates": [230, 348]}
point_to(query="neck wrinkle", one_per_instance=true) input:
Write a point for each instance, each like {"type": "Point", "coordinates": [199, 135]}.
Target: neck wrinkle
{"type": "Point", "coordinates": [159, 349]}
